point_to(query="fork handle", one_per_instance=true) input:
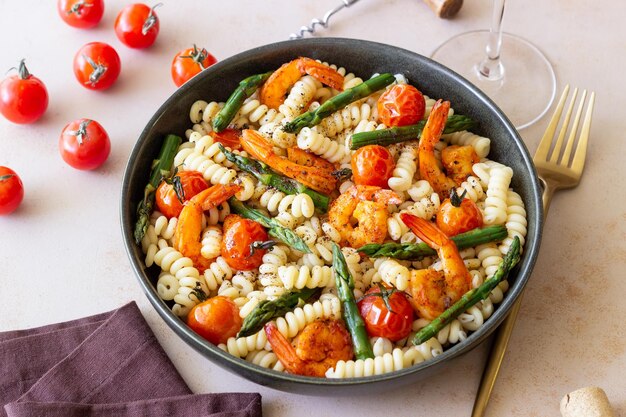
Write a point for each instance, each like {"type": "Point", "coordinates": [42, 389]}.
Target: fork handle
{"type": "Point", "coordinates": [503, 334]}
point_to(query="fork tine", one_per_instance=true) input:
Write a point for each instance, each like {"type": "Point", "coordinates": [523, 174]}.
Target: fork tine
{"type": "Point", "coordinates": [556, 151]}
{"type": "Point", "coordinates": [581, 150]}
{"type": "Point", "coordinates": [546, 140]}
{"type": "Point", "coordinates": [572, 134]}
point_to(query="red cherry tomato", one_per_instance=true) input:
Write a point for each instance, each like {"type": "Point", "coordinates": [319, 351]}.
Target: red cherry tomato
{"type": "Point", "coordinates": [401, 105]}
{"type": "Point", "coordinates": [23, 97]}
{"type": "Point", "coordinates": [137, 26]}
{"type": "Point", "coordinates": [190, 62]}
{"type": "Point", "coordinates": [393, 322]}
{"type": "Point", "coordinates": [192, 182]}
{"type": "Point", "coordinates": [228, 137]}
{"type": "Point", "coordinates": [82, 14]}
{"type": "Point", "coordinates": [239, 234]}
{"type": "Point", "coordinates": [458, 214]}
{"type": "Point", "coordinates": [215, 319]}
{"type": "Point", "coordinates": [372, 165]}
{"type": "Point", "coordinates": [84, 144]}
{"type": "Point", "coordinates": [97, 66]}
{"type": "Point", "coordinates": [11, 190]}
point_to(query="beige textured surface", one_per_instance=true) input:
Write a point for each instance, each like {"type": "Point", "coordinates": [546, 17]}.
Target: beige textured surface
{"type": "Point", "coordinates": [61, 255]}
{"type": "Point", "coordinates": [586, 402]}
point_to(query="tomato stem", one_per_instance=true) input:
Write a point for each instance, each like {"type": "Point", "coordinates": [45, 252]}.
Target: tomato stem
{"type": "Point", "coordinates": [150, 20]}
{"type": "Point", "coordinates": [256, 245]}
{"type": "Point", "coordinates": [384, 294]}
{"type": "Point", "coordinates": [78, 7]}
{"type": "Point", "coordinates": [198, 56]}
{"type": "Point", "coordinates": [21, 69]}
{"type": "Point", "coordinates": [97, 73]}
{"type": "Point", "coordinates": [6, 177]}
{"type": "Point", "coordinates": [456, 199]}
{"type": "Point", "coordinates": [81, 133]}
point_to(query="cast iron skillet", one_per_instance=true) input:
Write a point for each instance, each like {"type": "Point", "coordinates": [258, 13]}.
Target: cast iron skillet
{"type": "Point", "coordinates": [364, 59]}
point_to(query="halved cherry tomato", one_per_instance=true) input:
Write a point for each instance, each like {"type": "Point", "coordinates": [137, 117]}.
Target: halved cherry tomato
{"type": "Point", "coordinates": [23, 97]}
{"type": "Point", "coordinates": [190, 62]}
{"type": "Point", "coordinates": [393, 321]}
{"type": "Point", "coordinates": [97, 66]}
{"type": "Point", "coordinates": [458, 214]}
{"type": "Point", "coordinates": [228, 137]}
{"type": "Point", "coordinates": [401, 105]}
{"type": "Point", "coordinates": [215, 319]}
{"type": "Point", "coordinates": [372, 165]}
{"type": "Point", "coordinates": [82, 14]}
{"type": "Point", "coordinates": [137, 26]}
{"type": "Point", "coordinates": [239, 234]}
{"type": "Point", "coordinates": [192, 182]}
{"type": "Point", "coordinates": [84, 144]}
{"type": "Point", "coordinates": [11, 190]}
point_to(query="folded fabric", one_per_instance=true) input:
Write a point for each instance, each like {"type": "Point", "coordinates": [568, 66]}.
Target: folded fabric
{"type": "Point", "coordinates": [105, 365]}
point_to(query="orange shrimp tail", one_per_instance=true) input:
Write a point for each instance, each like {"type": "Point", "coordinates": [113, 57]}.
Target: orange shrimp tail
{"type": "Point", "coordinates": [425, 230]}
{"type": "Point", "coordinates": [323, 73]}
{"type": "Point", "coordinates": [435, 124]}
{"type": "Point", "coordinates": [283, 349]}
{"type": "Point", "coordinates": [216, 195]}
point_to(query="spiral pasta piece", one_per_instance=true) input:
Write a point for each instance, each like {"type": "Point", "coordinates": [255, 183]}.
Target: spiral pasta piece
{"type": "Point", "coordinates": [495, 203]}
{"type": "Point", "coordinates": [378, 365]}
{"type": "Point", "coordinates": [405, 169]}
{"type": "Point", "coordinates": [515, 221]}
{"type": "Point", "coordinates": [212, 172]}
{"type": "Point", "coordinates": [480, 144]}
{"type": "Point", "coordinates": [309, 139]}
{"type": "Point", "coordinates": [255, 112]}
{"type": "Point", "coordinates": [217, 273]}
{"type": "Point", "coordinates": [298, 277]}
{"type": "Point", "coordinates": [300, 95]}
{"type": "Point", "coordinates": [242, 346]}
{"type": "Point", "coordinates": [393, 273]}
{"type": "Point", "coordinates": [211, 242]}
{"type": "Point", "coordinates": [472, 188]}
{"type": "Point", "coordinates": [294, 321]}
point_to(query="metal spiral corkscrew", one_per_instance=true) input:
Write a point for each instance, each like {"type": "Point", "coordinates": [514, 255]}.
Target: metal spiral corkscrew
{"type": "Point", "coordinates": [323, 22]}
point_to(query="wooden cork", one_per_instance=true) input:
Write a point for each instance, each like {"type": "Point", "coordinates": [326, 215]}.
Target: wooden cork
{"type": "Point", "coordinates": [445, 8]}
{"type": "Point", "coordinates": [586, 402]}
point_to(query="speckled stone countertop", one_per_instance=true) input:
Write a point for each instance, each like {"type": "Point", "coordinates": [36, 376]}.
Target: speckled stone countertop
{"type": "Point", "coordinates": [62, 257]}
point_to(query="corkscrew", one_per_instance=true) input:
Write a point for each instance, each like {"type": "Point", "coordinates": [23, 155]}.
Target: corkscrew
{"type": "Point", "coordinates": [321, 22]}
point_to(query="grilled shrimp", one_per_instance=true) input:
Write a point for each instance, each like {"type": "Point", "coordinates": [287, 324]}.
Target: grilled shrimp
{"type": "Point", "coordinates": [189, 227]}
{"type": "Point", "coordinates": [368, 205]}
{"type": "Point", "coordinates": [275, 89]}
{"type": "Point", "coordinates": [433, 291]}
{"type": "Point", "coordinates": [319, 346]}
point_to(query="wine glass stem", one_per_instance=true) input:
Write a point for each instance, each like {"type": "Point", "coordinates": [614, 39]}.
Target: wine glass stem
{"type": "Point", "coordinates": [491, 67]}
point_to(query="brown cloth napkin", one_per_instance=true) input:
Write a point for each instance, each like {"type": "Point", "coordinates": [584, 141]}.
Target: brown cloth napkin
{"type": "Point", "coordinates": [109, 364]}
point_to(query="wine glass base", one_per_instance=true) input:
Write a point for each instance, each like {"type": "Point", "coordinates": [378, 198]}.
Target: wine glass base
{"type": "Point", "coordinates": [526, 90]}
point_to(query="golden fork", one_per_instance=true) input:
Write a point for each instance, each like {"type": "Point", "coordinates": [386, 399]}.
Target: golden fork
{"type": "Point", "coordinates": [555, 171]}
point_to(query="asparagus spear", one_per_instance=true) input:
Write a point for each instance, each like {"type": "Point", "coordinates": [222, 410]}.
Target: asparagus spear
{"type": "Point", "coordinates": [246, 88]}
{"type": "Point", "coordinates": [160, 168]}
{"type": "Point", "coordinates": [351, 314]}
{"type": "Point", "coordinates": [471, 297]}
{"type": "Point", "coordinates": [276, 231]}
{"type": "Point", "coordinates": [268, 177]}
{"type": "Point", "coordinates": [410, 251]}
{"type": "Point", "coordinates": [311, 118]}
{"type": "Point", "coordinates": [267, 310]}
{"type": "Point", "coordinates": [384, 137]}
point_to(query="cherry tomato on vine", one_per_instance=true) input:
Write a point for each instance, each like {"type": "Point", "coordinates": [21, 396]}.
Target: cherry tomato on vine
{"type": "Point", "coordinates": [167, 199]}
{"type": "Point", "coordinates": [23, 97]}
{"type": "Point", "coordinates": [11, 190]}
{"type": "Point", "coordinates": [386, 313]}
{"type": "Point", "coordinates": [372, 165]}
{"type": "Point", "coordinates": [137, 25]}
{"type": "Point", "coordinates": [215, 319]}
{"type": "Point", "coordinates": [458, 214]}
{"type": "Point", "coordinates": [401, 105]}
{"type": "Point", "coordinates": [97, 65]}
{"type": "Point", "coordinates": [82, 14]}
{"type": "Point", "coordinates": [84, 144]}
{"type": "Point", "coordinates": [239, 234]}
{"type": "Point", "coordinates": [190, 62]}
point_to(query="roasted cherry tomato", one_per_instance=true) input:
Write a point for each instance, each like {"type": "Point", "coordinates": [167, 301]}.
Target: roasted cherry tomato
{"type": "Point", "coordinates": [11, 190]}
{"type": "Point", "coordinates": [458, 214]}
{"type": "Point", "coordinates": [386, 313]}
{"type": "Point", "coordinates": [137, 26]}
{"type": "Point", "coordinates": [228, 137]}
{"type": "Point", "coordinates": [23, 97]}
{"type": "Point", "coordinates": [167, 200]}
{"type": "Point", "coordinates": [190, 62]}
{"type": "Point", "coordinates": [82, 14]}
{"type": "Point", "coordinates": [97, 66]}
{"type": "Point", "coordinates": [239, 234]}
{"type": "Point", "coordinates": [215, 319]}
{"type": "Point", "coordinates": [401, 105]}
{"type": "Point", "coordinates": [372, 165]}
{"type": "Point", "coordinates": [84, 144]}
